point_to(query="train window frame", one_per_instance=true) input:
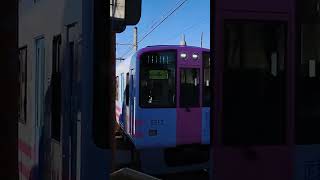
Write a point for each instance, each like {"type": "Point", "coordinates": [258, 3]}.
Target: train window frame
{"type": "Point", "coordinates": [283, 88]}
{"type": "Point", "coordinates": [23, 76]}
{"type": "Point", "coordinates": [175, 78]}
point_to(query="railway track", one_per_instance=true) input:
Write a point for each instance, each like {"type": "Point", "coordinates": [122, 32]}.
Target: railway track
{"type": "Point", "coordinates": [123, 158]}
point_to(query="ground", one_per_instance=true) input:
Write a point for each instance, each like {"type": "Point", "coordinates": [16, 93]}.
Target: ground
{"type": "Point", "coordinates": [123, 160]}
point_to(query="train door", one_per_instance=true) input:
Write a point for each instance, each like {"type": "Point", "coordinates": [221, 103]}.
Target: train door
{"type": "Point", "coordinates": [72, 122]}
{"type": "Point", "coordinates": [254, 120]}
{"type": "Point", "coordinates": [307, 119]}
{"type": "Point", "coordinates": [188, 127]}
{"type": "Point", "coordinates": [252, 129]}
{"type": "Point", "coordinates": [39, 102]}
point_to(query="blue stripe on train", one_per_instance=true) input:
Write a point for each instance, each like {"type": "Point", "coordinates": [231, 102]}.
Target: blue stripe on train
{"type": "Point", "coordinates": [161, 120]}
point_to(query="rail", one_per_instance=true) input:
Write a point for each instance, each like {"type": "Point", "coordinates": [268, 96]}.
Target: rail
{"type": "Point", "coordinates": [130, 174]}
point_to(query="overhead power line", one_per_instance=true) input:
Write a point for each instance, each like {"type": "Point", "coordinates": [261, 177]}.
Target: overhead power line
{"type": "Point", "coordinates": [188, 28]}
{"type": "Point", "coordinates": [162, 21]}
{"type": "Point", "coordinates": [154, 22]}
{"type": "Point", "coordinates": [173, 10]}
{"type": "Point", "coordinates": [127, 52]}
{"type": "Point", "coordinates": [124, 44]}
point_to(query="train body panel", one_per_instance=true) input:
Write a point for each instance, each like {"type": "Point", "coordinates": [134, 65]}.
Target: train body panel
{"type": "Point", "coordinates": [36, 43]}
{"type": "Point", "coordinates": [205, 135]}
{"type": "Point", "coordinates": [155, 161]}
{"type": "Point", "coordinates": [55, 138]}
{"type": "Point", "coordinates": [307, 162]}
{"type": "Point", "coordinates": [155, 128]}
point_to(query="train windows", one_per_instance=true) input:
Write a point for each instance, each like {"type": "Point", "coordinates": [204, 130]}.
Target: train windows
{"type": "Point", "coordinates": [254, 84]}
{"type": "Point", "coordinates": [23, 84]}
{"type": "Point", "coordinates": [117, 88]}
{"type": "Point", "coordinates": [127, 79]}
{"type": "Point", "coordinates": [126, 93]}
{"type": "Point", "coordinates": [206, 79]}
{"type": "Point", "coordinates": [56, 89]}
{"type": "Point", "coordinates": [39, 81]}
{"type": "Point", "coordinates": [157, 79]}
{"type": "Point", "coordinates": [190, 87]}
{"type": "Point", "coordinates": [121, 86]}
{"type": "Point", "coordinates": [307, 122]}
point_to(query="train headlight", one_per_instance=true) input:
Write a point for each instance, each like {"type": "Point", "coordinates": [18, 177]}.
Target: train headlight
{"type": "Point", "coordinates": [183, 56]}
{"type": "Point", "coordinates": [195, 56]}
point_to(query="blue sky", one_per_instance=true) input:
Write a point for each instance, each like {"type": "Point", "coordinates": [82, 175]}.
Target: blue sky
{"type": "Point", "coordinates": [190, 19]}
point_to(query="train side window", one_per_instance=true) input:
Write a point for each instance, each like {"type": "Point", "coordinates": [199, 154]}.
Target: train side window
{"type": "Point", "coordinates": [127, 79]}
{"type": "Point", "coordinates": [254, 84]}
{"type": "Point", "coordinates": [117, 88]}
{"type": "Point", "coordinates": [122, 86]}
{"type": "Point", "coordinates": [127, 95]}
{"type": "Point", "coordinates": [190, 88]}
{"type": "Point", "coordinates": [56, 89]}
{"type": "Point", "coordinates": [23, 84]}
{"type": "Point", "coordinates": [307, 122]}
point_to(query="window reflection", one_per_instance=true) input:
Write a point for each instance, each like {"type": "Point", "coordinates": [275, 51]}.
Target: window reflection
{"type": "Point", "coordinates": [308, 86]}
{"type": "Point", "coordinates": [254, 84]}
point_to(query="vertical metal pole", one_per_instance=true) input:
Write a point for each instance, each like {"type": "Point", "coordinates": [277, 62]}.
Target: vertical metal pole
{"type": "Point", "coordinates": [135, 38]}
{"type": "Point", "coordinates": [183, 41]}
{"type": "Point", "coordinates": [9, 95]}
{"type": "Point", "coordinates": [201, 41]}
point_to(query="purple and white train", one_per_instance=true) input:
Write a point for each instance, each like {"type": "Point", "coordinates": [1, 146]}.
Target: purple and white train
{"type": "Point", "coordinates": [163, 106]}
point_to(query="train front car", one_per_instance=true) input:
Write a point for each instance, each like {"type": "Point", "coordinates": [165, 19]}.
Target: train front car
{"type": "Point", "coordinates": [169, 108]}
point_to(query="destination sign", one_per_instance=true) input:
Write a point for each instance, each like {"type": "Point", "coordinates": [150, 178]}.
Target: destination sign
{"type": "Point", "coordinates": [158, 74]}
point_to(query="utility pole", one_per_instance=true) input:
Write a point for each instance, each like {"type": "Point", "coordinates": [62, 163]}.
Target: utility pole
{"type": "Point", "coordinates": [201, 39]}
{"type": "Point", "coordinates": [135, 38]}
{"type": "Point", "coordinates": [9, 95]}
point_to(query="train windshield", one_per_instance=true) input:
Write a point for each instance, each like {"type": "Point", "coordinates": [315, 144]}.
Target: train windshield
{"type": "Point", "coordinates": [157, 79]}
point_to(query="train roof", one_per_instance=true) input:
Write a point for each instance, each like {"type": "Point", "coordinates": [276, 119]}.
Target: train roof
{"type": "Point", "coordinates": [123, 66]}
{"type": "Point", "coordinates": [168, 47]}
{"type": "Point", "coordinates": [173, 47]}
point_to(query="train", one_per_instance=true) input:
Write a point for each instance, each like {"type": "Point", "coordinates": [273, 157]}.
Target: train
{"type": "Point", "coordinates": [59, 51]}
{"type": "Point", "coordinates": [266, 78]}
{"type": "Point", "coordinates": [163, 106]}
